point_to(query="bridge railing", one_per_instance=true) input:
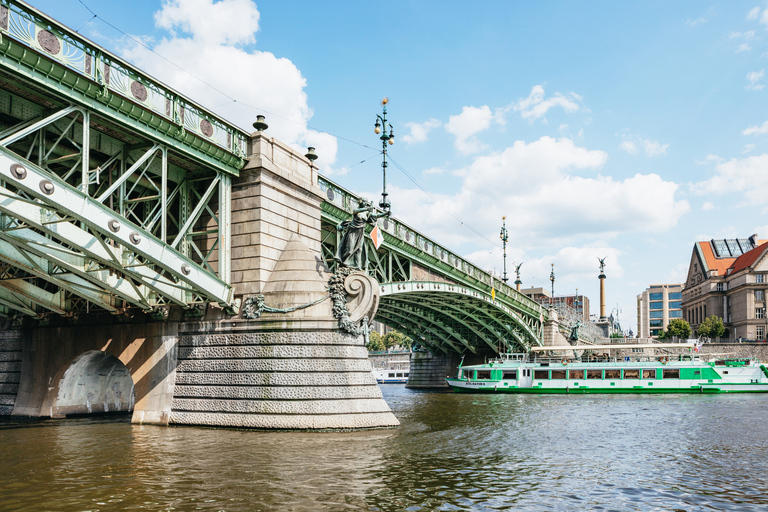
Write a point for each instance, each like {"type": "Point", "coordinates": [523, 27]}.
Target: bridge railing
{"type": "Point", "coordinates": [86, 60]}
{"type": "Point", "coordinates": [347, 201]}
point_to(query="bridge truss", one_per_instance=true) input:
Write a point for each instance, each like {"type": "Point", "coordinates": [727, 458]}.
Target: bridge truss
{"type": "Point", "coordinates": [114, 189]}
{"type": "Point", "coordinates": [431, 294]}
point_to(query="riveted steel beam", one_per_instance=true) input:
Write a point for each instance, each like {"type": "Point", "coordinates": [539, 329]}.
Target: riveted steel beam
{"type": "Point", "coordinates": [72, 203]}
{"type": "Point", "coordinates": [54, 57]}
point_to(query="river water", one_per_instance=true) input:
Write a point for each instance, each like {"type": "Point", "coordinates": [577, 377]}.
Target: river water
{"type": "Point", "coordinates": [453, 452]}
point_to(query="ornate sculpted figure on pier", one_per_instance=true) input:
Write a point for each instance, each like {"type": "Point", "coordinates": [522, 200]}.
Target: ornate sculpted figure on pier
{"type": "Point", "coordinates": [351, 251]}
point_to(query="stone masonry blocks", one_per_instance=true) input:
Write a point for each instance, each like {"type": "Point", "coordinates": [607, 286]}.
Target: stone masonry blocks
{"type": "Point", "coordinates": [281, 379]}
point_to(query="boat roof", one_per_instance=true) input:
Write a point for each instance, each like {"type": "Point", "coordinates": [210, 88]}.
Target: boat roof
{"type": "Point", "coordinates": [559, 348]}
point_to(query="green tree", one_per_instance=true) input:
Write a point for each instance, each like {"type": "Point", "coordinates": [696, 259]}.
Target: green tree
{"type": "Point", "coordinates": [396, 338]}
{"type": "Point", "coordinates": [677, 327]}
{"type": "Point", "coordinates": [712, 327]}
{"type": "Point", "coordinates": [375, 342]}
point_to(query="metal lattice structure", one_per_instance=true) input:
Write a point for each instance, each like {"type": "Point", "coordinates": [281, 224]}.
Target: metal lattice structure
{"type": "Point", "coordinates": [431, 294]}
{"type": "Point", "coordinates": [114, 189]}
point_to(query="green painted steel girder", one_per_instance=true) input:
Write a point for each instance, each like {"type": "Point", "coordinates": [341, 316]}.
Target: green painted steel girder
{"type": "Point", "coordinates": [405, 241]}
{"type": "Point", "coordinates": [446, 307]}
{"type": "Point", "coordinates": [71, 207]}
{"type": "Point", "coordinates": [50, 55]}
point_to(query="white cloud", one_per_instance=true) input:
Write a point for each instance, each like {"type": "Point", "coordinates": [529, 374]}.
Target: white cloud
{"type": "Point", "coordinates": [743, 176]}
{"type": "Point", "coordinates": [753, 13]}
{"type": "Point", "coordinates": [709, 205]}
{"type": "Point", "coordinates": [207, 40]}
{"type": "Point", "coordinates": [764, 17]}
{"type": "Point", "coordinates": [754, 78]}
{"type": "Point", "coordinates": [629, 147]}
{"type": "Point", "coordinates": [465, 126]}
{"type": "Point", "coordinates": [419, 131]}
{"type": "Point", "coordinates": [227, 22]}
{"type": "Point", "coordinates": [746, 36]}
{"type": "Point", "coordinates": [763, 128]}
{"type": "Point", "coordinates": [654, 148]}
{"type": "Point", "coordinates": [535, 106]}
{"type": "Point", "coordinates": [748, 148]}
{"type": "Point", "coordinates": [650, 147]}
{"type": "Point", "coordinates": [537, 186]}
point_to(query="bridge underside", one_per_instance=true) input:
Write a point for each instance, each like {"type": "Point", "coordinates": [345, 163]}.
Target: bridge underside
{"type": "Point", "coordinates": [452, 319]}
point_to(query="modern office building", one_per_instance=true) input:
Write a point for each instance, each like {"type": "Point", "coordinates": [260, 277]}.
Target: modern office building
{"type": "Point", "coordinates": [727, 278]}
{"type": "Point", "coordinates": [656, 306]}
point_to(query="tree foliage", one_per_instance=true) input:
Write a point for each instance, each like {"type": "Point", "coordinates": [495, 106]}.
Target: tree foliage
{"type": "Point", "coordinates": [393, 339]}
{"type": "Point", "coordinates": [397, 339]}
{"type": "Point", "coordinates": [375, 342]}
{"type": "Point", "coordinates": [677, 327]}
{"type": "Point", "coordinates": [712, 327]}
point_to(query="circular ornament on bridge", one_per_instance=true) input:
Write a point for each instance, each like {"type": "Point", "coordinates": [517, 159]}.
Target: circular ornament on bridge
{"type": "Point", "coordinates": [135, 238]}
{"type": "Point", "coordinates": [114, 226]}
{"type": "Point", "coordinates": [407, 236]}
{"type": "Point", "coordinates": [330, 195]}
{"type": "Point", "coordinates": [18, 171]}
{"type": "Point", "coordinates": [49, 42]}
{"type": "Point", "coordinates": [139, 91]}
{"type": "Point", "coordinates": [386, 223]}
{"type": "Point", "coordinates": [186, 269]}
{"type": "Point", "coordinates": [442, 255]}
{"type": "Point", "coordinates": [206, 127]}
{"type": "Point", "coordinates": [47, 187]}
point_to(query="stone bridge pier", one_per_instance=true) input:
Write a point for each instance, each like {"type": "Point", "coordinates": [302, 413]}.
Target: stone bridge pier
{"type": "Point", "coordinates": [293, 357]}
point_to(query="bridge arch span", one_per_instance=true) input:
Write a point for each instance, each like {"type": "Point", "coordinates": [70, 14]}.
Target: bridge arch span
{"type": "Point", "coordinates": [451, 319]}
{"type": "Point", "coordinates": [93, 382]}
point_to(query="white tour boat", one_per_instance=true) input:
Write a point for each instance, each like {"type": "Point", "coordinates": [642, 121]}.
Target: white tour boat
{"type": "Point", "coordinates": [397, 373]}
{"type": "Point", "coordinates": [670, 373]}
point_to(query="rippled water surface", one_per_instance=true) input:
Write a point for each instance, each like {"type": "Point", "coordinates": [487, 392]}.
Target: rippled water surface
{"type": "Point", "coordinates": [453, 452]}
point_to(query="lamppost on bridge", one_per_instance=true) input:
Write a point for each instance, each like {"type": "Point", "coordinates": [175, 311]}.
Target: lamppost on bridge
{"type": "Point", "coordinates": [381, 127]}
{"type": "Point", "coordinates": [504, 237]}
{"type": "Point", "coordinates": [552, 278]}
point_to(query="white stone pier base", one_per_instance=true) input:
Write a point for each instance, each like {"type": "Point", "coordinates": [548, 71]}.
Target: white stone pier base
{"type": "Point", "coordinates": [283, 370]}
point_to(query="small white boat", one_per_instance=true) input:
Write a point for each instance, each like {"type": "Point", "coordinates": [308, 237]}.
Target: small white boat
{"type": "Point", "coordinates": [391, 375]}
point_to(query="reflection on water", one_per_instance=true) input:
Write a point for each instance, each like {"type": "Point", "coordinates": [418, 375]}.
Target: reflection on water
{"type": "Point", "coordinates": [453, 452]}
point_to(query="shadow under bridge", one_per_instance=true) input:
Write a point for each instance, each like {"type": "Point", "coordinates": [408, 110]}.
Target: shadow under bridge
{"type": "Point", "coordinates": [451, 318]}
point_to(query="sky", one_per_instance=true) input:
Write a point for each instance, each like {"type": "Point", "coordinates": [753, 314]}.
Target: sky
{"type": "Point", "coordinates": [599, 129]}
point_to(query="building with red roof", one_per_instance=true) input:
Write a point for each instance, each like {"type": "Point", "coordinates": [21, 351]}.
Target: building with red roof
{"type": "Point", "coordinates": [727, 278]}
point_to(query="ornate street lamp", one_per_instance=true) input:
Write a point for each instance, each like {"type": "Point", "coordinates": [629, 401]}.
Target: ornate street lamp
{"type": "Point", "coordinates": [504, 237]}
{"type": "Point", "coordinates": [552, 278]}
{"type": "Point", "coordinates": [381, 127]}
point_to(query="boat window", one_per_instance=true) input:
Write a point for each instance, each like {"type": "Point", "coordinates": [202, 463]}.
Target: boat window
{"type": "Point", "coordinates": [405, 375]}
{"type": "Point", "coordinates": [613, 374]}
{"type": "Point", "coordinates": [671, 373]}
{"type": "Point", "coordinates": [558, 374]}
{"type": "Point", "coordinates": [468, 373]}
{"type": "Point", "coordinates": [541, 374]}
{"type": "Point", "coordinates": [391, 375]}
{"type": "Point", "coordinates": [594, 374]}
{"type": "Point", "coordinates": [485, 374]}
{"type": "Point", "coordinates": [631, 374]}
{"type": "Point", "coordinates": [649, 374]}
{"type": "Point", "coordinates": [399, 374]}
{"type": "Point", "coordinates": [575, 374]}
{"type": "Point", "coordinates": [509, 375]}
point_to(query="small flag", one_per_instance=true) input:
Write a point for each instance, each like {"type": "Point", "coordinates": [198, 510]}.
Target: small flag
{"type": "Point", "coordinates": [493, 293]}
{"type": "Point", "coordinates": [377, 236]}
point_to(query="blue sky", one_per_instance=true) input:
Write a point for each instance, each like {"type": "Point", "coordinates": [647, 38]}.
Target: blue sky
{"type": "Point", "coordinates": [620, 129]}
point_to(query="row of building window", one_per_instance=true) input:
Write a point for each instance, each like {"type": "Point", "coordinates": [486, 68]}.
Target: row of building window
{"type": "Point", "coordinates": [671, 314]}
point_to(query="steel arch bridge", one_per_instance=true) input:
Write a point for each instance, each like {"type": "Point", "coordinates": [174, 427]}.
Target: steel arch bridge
{"type": "Point", "coordinates": [114, 188]}
{"type": "Point", "coordinates": [115, 192]}
{"type": "Point", "coordinates": [431, 294]}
